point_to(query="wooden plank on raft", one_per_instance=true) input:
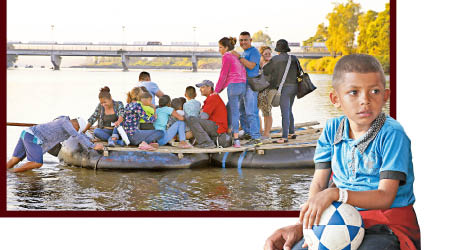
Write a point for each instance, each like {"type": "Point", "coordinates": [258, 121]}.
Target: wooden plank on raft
{"type": "Point", "coordinates": [308, 139]}
{"type": "Point", "coordinates": [298, 125]}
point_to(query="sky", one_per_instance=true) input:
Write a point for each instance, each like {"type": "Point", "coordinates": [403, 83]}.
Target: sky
{"type": "Point", "coordinates": [166, 21]}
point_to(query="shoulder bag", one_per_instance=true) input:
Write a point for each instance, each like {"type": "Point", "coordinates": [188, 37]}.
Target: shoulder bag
{"type": "Point", "coordinates": [276, 99]}
{"type": "Point", "coordinates": [258, 83]}
{"type": "Point", "coordinates": [305, 85]}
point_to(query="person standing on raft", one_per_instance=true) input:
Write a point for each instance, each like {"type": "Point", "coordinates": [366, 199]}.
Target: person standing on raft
{"type": "Point", "coordinates": [35, 141]}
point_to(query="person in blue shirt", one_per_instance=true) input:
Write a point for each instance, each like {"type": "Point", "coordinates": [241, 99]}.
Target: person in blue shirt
{"type": "Point", "coordinates": [248, 108]}
{"type": "Point", "coordinates": [152, 88]}
{"type": "Point", "coordinates": [178, 128]}
{"type": "Point", "coordinates": [368, 155]}
{"type": "Point", "coordinates": [35, 141]}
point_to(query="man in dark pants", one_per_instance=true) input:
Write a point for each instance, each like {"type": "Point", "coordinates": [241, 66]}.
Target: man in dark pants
{"type": "Point", "coordinates": [213, 117]}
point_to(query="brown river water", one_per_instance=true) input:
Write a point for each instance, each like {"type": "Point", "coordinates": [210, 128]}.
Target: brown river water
{"type": "Point", "coordinates": [40, 95]}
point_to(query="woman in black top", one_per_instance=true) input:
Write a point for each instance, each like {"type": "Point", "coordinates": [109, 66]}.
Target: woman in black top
{"type": "Point", "coordinates": [273, 71]}
{"type": "Point", "coordinates": [109, 114]}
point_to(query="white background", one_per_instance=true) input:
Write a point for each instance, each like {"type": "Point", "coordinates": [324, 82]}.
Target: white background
{"type": "Point", "coordinates": [423, 110]}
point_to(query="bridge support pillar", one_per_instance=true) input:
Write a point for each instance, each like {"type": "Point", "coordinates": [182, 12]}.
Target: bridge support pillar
{"type": "Point", "coordinates": [125, 62]}
{"type": "Point", "coordinates": [56, 61]}
{"type": "Point", "coordinates": [194, 63]}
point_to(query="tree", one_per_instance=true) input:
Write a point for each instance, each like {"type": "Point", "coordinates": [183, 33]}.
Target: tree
{"type": "Point", "coordinates": [11, 59]}
{"type": "Point", "coordinates": [343, 22]}
{"type": "Point", "coordinates": [379, 34]}
{"type": "Point", "coordinates": [363, 25]}
{"type": "Point", "coordinates": [261, 37]}
{"type": "Point", "coordinates": [320, 36]}
{"type": "Point", "coordinates": [374, 36]}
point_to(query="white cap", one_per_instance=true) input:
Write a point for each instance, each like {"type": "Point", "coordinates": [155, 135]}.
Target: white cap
{"type": "Point", "coordinates": [82, 123]}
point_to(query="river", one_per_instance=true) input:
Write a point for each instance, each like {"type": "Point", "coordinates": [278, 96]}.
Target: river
{"type": "Point", "coordinates": [38, 95]}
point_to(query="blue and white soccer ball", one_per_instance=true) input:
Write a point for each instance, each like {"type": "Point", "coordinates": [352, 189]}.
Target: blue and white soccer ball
{"type": "Point", "coordinates": [340, 228]}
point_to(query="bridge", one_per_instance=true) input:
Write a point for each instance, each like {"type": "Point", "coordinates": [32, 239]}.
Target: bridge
{"type": "Point", "coordinates": [57, 51]}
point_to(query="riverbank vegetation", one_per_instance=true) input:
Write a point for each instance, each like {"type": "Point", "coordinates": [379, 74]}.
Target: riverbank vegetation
{"type": "Point", "coordinates": [351, 31]}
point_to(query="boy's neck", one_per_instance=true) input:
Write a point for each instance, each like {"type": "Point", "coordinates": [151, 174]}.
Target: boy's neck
{"type": "Point", "coordinates": [355, 131]}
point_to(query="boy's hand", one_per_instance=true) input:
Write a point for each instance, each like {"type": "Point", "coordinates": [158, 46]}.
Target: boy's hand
{"type": "Point", "coordinates": [284, 238]}
{"type": "Point", "coordinates": [314, 207]}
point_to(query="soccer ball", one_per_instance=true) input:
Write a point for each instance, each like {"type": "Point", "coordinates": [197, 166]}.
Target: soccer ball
{"type": "Point", "coordinates": [340, 228]}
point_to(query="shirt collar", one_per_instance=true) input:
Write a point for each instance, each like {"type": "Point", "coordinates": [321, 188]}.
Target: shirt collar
{"type": "Point", "coordinates": [365, 140]}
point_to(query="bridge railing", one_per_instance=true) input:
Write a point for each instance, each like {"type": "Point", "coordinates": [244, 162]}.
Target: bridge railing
{"type": "Point", "coordinates": [129, 48]}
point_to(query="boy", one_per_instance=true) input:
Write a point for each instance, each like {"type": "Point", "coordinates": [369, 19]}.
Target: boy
{"type": "Point", "coordinates": [369, 155]}
{"type": "Point", "coordinates": [191, 107]}
{"type": "Point", "coordinates": [152, 88]}
{"type": "Point", "coordinates": [177, 104]}
{"type": "Point", "coordinates": [36, 140]}
{"type": "Point", "coordinates": [145, 99]}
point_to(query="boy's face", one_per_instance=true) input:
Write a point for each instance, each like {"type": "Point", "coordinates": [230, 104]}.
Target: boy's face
{"type": "Point", "coordinates": [146, 101]}
{"type": "Point", "coordinates": [361, 96]}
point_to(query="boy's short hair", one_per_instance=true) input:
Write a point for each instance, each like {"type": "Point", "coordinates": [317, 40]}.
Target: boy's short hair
{"type": "Point", "coordinates": [356, 63]}
{"type": "Point", "coordinates": [144, 95]}
{"type": "Point", "coordinates": [164, 101]}
{"type": "Point", "coordinates": [183, 100]}
{"type": "Point", "coordinates": [244, 33]}
{"type": "Point", "coordinates": [190, 92]}
{"type": "Point", "coordinates": [143, 75]}
{"type": "Point", "coordinates": [177, 104]}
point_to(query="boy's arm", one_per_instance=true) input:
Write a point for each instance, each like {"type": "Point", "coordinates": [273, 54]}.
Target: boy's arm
{"type": "Point", "coordinates": [319, 181]}
{"type": "Point", "coordinates": [176, 115]}
{"type": "Point", "coordinates": [382, 198]}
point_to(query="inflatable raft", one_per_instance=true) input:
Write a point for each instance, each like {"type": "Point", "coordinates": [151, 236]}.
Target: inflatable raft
{"type": "Point", "coordinates": [72, 153]}
{"type": "Point", "coordinates": [297, 153]}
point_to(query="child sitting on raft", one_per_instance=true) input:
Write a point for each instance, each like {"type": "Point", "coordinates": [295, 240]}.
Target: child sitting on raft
{"type": "Point", "coordinates": [163, 113]}
{"type": "Point", "coordinates": [145, 99]}
{"type": "Point", "coordinates": [109, 114]}
{"type": "Point", "coordinates": [177, 105]}
{"type": "Point", "coordinates": [192, 107]}
{"type": "Point", "coordinates": [133, 113]}
{"type": "Point", "coordinates": [35, 141]}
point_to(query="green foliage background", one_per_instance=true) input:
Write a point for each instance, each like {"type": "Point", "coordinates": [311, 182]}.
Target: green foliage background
{"type": "Point", "coordinates": [345, 21]}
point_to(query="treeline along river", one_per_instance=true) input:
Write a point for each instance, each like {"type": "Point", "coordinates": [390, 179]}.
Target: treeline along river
{"type": "Point", "coordinates": [40, 95]}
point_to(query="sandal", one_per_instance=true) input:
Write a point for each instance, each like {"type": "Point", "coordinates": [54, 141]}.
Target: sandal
{"type": "Point", "coordinates": [281, 141]}
{"type": "Point", "coordinates": [154, 144]}
{"type": "Point", "coordinates": [293, 136]}
{"type": "Point", "coordinates": [145, 146]}
{"type": "Point", "coordinates": [184, 145]}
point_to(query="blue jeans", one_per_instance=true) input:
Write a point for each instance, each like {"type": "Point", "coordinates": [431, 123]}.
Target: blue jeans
{"type": "Point", "coordinates": [288, 94]}
{"type": "Point", "coordinates": [104, 133]}
{"type": "Point", "coordinates": [249, 117]}
{"type": "Point", "coordinates": [236, 92]}
{"type": "Point", "coordinates": [145, 135]}
{"type": "Point", "coordinates": [179, 127]}
{"type": "Point", "coordinates": [375, 237]}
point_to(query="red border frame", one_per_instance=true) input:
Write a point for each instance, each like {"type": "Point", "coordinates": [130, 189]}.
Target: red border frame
{"type": "Point", "coordinates": [3, 206]}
